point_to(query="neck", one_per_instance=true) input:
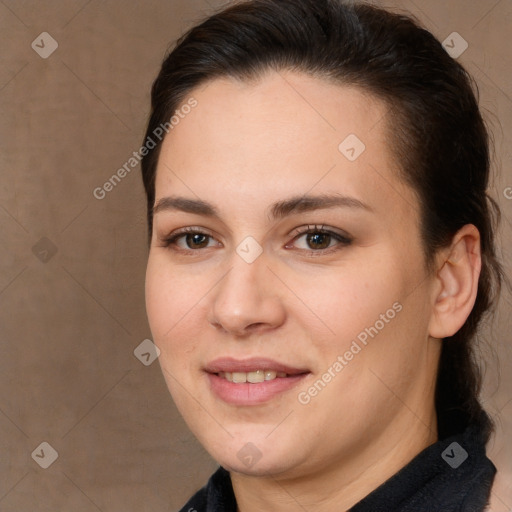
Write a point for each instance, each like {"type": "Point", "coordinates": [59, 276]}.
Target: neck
{"type": "Point", "coordinates": [341, 485]}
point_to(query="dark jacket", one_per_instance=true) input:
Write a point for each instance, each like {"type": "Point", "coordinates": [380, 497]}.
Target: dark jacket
{"type": "Point", "coordinates": [452, 475]}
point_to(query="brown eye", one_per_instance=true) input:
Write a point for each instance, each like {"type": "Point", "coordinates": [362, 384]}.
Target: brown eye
{"type": "Point", "coordinates": [189, 239]}
{"type": "Point", "coordinates": [196, 240]}
{"type": "Point", "coordinates": [318, 240]}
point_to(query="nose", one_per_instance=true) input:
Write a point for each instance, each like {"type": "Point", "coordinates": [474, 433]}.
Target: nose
{"type": "Point", "coordinates": [246, 300]}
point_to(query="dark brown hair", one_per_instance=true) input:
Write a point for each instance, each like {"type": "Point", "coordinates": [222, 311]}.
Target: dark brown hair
{"type": "Point", "coordinates": [438, 136]}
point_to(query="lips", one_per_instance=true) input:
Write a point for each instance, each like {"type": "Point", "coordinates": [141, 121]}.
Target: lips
{"type": "Point", "coordinates": [230, 365]}
{"type": "Point", "coordinates": [251, 381]}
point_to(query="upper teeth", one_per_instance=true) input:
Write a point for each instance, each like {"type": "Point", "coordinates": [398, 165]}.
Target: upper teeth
{"type": "Point", "coordinates": [252, 377]}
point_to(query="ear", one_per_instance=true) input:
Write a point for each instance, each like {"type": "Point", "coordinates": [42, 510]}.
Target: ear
{"type": "Point", "coordinates": [456, 283]}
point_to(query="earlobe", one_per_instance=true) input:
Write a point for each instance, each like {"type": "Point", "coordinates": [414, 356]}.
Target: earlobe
{"type": "Point", "coordinates": [456, 283]}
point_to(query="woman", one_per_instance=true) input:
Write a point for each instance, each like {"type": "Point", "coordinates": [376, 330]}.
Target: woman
{"type": "Point", "coordinates": [321, 254]}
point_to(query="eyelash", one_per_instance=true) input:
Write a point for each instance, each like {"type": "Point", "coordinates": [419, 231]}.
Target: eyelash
{"type": "Point", "coordinates": [343, 240]}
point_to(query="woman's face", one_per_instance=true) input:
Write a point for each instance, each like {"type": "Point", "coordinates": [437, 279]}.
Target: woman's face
{"type": "Point", "coordinates": [303, 259]}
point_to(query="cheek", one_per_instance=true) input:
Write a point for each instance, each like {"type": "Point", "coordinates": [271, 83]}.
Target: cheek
{"type": "Point", "coordinates": [172, 315]}
{"type": "Point", "coordinates": [344, 303]}
{"type": "Point", "coordinates": [172, 305]}
{"type": "Point", "coordinates": [158, 300]}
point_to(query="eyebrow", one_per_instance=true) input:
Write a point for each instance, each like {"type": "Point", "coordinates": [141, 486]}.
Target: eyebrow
{"type": "Point", "coordinates": [278, 210]}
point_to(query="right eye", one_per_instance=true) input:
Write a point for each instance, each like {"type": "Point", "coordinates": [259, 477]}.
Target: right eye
{"type": "Point", "coordinates": [189, 239]}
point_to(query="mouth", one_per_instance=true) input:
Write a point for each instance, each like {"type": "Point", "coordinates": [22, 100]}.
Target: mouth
{"type": "Point", "coordinates": [253, 377]}
{"type": "Point", "coordinates": [251, 381]}
{"type": "Point", "coordinates": [252, 370]}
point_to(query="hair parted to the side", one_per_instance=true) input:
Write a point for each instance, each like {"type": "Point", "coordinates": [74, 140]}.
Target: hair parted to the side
{"type": "Point", "coordinates": [434, 128]}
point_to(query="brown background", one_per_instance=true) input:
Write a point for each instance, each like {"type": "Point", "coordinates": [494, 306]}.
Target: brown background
{"type": "Point", "coordinates": [70, 321]}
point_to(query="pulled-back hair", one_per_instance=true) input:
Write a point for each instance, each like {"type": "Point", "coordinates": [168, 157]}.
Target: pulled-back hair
{"type": "Point", "coordinates": [434, 128]}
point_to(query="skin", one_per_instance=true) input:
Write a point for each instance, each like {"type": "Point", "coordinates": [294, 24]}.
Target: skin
{"type": "Point", "coordinates": [243, 148]}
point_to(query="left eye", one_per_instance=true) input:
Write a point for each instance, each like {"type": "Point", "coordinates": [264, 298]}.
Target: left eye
{"type": "Point", "coordinates": [319, 240]}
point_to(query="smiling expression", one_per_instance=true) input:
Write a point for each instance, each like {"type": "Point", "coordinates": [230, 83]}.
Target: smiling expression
{"type": "Point", "coordinates": [273, 250]}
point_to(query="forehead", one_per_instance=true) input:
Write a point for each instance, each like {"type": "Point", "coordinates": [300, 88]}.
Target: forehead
{"type": "Point", "coordinates": [284, 134]}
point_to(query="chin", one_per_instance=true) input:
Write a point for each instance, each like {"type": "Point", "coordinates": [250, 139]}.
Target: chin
{"type": "Point", "coordinates": [261, 468]}
{"type": "Point", "coordinates": [258, 458]}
